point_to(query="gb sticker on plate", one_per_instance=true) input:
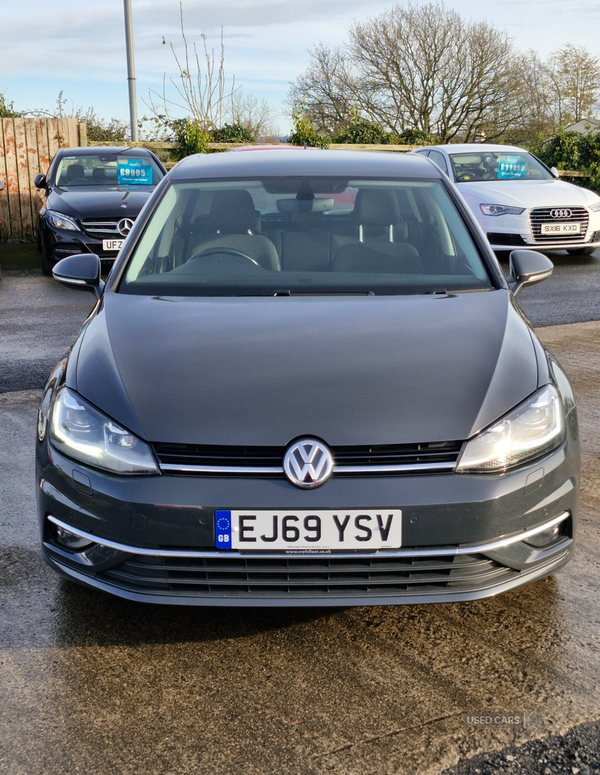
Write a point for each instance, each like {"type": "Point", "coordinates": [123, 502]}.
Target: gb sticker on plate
{"type": "Point", "coordinates": [223, 529]}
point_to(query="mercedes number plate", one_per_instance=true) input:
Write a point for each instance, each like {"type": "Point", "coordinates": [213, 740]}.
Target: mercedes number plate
{"type": "Point", "coordinates": [112, 244]}
{"type": "Point", "coordinates": [561, 228]}
{"type": "Point", "coordinates": [309, 531]}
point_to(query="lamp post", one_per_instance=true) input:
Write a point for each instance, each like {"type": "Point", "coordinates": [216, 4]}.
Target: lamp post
{"type": "Point", "coordinates": [131, 71]}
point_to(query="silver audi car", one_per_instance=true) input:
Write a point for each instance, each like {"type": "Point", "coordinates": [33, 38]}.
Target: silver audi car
{"type": "Point", "coordinates": [306, 381]}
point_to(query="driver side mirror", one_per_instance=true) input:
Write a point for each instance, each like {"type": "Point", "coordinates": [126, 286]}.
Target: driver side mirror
{"type": "Point", "coordinates": [40, 180]}
{"type": "Point", "coordinates": [527, 267]}
{"type": "Point", "coordinates": [81, 272]}
{"type": "Point", "coordinates": [554, 171]}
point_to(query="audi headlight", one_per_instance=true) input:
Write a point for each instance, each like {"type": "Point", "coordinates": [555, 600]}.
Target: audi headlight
{"type": "Point", "coordinates": [595, 208]}
{"type": "Point", "coordinates": [534, 428]}
{"type": "Point", "coordinates": [60, 221]}
{"type": "Point", "coordinates": [501, 210]}
{"type": "Point", "coordinates": [85, 434]}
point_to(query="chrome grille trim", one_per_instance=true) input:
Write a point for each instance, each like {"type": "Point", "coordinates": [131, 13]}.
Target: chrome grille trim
{"type": "Point", "coordinates": [184, 469]}
{"type": "Point", "coordinates": [192, 459]}
{"type": "Point", "coordinates": [540, 215]}
{"type": "Point", "coordinates": [107, 226]}
{"type": "Point", "coordinates": [276, 470]}
{"type": "Point", "coordinates": [449, 551]}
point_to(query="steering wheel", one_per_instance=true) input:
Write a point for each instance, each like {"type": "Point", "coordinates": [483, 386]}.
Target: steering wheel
{"type": "Point", "coordinates": [463, 177]}
{"type": "Point", "coordinates": [224, 252]}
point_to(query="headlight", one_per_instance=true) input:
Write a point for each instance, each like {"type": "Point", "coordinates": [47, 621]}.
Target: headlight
{"type": "Point", "coordinates": [85, 434]}
{"type": "Point", "coordinates": [501, 210]}
{"type": "Point", "coordinates": [595, 208]}
{"type": "Point", "coordinates": [534, 428]}
{"type": "Point", "coordinates": [60, 221]}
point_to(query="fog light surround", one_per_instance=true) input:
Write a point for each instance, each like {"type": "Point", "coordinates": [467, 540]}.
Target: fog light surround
{"type": "Point", "coordinates": [70, 540]}
{"type": "Point", "coordinates": [546, 537]}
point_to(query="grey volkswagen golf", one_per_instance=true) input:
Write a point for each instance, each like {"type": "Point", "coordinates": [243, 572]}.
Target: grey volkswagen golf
{"type": "Point", "coordinates": [306, 381]}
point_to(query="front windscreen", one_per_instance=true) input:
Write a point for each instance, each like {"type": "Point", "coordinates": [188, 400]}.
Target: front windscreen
{"type": "Point", "coordinates": [509, 165]}
{"type": "Point", "coordinates": [107, 170]}
{"type": "Point", "coordinates": [304, 236]}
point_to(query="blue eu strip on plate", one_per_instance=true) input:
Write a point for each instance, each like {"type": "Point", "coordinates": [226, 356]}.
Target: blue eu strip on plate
{"type": "Point", "coordinates": [223, 529]}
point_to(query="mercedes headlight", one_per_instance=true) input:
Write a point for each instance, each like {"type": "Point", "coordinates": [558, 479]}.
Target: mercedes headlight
{"type": "Point", "coordinates": [501, 210]}
{"type": "Point", "coordinates": [534, 428]}
{"type": "Point", "coordinates": [60, 221]}
{"type": "Point", "coordinates": [83, 433]}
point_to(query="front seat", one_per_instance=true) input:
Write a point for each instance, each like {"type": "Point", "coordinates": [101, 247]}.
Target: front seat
{"type": "Point", "coordinates": [234, 222]}
{"type": "Point", "coordinates": [75, 171]}
{"type": "Point", "coordinates": [376, 213]}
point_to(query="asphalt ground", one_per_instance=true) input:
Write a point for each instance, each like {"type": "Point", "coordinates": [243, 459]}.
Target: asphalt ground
{"type": "Point", "coordinates": [93, 684]}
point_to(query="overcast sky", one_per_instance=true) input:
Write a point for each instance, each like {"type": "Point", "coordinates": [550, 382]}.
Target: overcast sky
{"type": "Point", "coordinates": [78, 46]}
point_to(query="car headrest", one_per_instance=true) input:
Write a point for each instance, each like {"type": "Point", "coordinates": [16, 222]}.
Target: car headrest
{"type": "Point", "coordinates": [75, 171]}
{"type": "Point", "coordinates": [99, 173]}
{"type": "Point", "coordinates": [375, 207]}
{"type": "Point", "coordinates": [232, 212]}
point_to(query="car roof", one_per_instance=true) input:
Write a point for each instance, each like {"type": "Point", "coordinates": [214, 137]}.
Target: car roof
{"type": "Point", "coordinates": [475, 148]}
{"type": "Point", "coordinates": [310, 162]}
{"type": "Point", "coordinates": [91, 150]}
{"type": "Point", "coordinates": [273, 147]}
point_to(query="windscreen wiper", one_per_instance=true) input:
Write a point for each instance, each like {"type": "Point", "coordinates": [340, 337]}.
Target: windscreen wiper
{"type": "Point", "coordinates": [323, 293]}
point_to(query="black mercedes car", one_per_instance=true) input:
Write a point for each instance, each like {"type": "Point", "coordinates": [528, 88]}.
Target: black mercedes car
{"type": "Point", "coordinates": [93, 196]}
{"type": "Point", "coordinates": [306, 381]}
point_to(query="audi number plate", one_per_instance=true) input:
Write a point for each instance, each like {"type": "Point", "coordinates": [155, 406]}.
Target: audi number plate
{"type": "Point", "coordinates": [561, 228]}
{"type": "Point", "coordinates": [309, 531]}
{"type": "Point", "coordinates": [112, 244]}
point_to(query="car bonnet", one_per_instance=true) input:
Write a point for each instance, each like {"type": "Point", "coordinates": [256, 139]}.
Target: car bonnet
{"type": "Point", "coordinates": [349, 370]}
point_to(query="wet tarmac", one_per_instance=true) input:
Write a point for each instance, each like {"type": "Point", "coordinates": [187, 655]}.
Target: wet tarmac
{"type": "Point", "coordinates": [93, 684]}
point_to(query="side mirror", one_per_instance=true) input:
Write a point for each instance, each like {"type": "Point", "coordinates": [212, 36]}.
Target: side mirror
{"type": "Point", "coordinates": [1, 185]}
{"type": "Point", "coordinates": [80, 272]}
{"type": "Point", "coordinates": [554, 171]}
{"type": "Point", "coordinates": [527, 267]}
{"type": "Point", "coordinates": [40, 180]}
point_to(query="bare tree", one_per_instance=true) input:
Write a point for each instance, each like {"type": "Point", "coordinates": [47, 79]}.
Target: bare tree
{"type": "Point", "coordinates": [255, 115]}
{"type": "Point", "coordinates": [200, 89]}
{"type": "Point", "coordinates": [575, 77]}
{"type": "Point", "coordinates": [327, 90]}
{"type": "Point", "coordinates": [417, 67]}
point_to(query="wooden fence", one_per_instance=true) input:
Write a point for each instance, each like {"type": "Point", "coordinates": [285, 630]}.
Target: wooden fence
{"type": "Point", "coordinates": [27, 145]}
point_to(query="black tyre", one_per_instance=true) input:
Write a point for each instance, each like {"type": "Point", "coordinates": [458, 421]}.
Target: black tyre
{"type": "Point", "coordinates": [581, 251]}
{"type": "Point", "coordinates": [47, 262]}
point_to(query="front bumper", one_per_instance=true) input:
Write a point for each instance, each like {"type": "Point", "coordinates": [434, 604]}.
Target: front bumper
{"type": "Point", "coordinates": [508, 232]}
{"type": "Point", "coordinates": [60, 244]}
{"type": "Point", "coordinates": [153, 537]}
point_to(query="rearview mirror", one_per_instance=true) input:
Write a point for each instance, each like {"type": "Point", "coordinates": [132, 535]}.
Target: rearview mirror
{"type": "Point", "coordinates": [527, 267]}
{"type": "Point", "coordinates": [80, 272]}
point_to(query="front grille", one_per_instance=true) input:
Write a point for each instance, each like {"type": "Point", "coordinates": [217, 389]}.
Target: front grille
{"type": "Point", "coordinates": [541, 215]}
{"type": "Point", "coordinates": [308, 576]}
{"type": "Point", "coordinates": [431, 456]}
{"type": "Point", "coordinates": [513, 240]}
{"type": "Point", "coordinates": [104, 227]}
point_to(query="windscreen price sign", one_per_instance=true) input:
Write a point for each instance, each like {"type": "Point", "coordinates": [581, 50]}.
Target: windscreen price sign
{"type": "Point", "coordinates": [511, 167]}
{"type": "Point", "coordinates": [133, 172]}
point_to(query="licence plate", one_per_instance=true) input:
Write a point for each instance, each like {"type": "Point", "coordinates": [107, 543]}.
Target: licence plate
{"type": "Point", "coordinates": [112, 244]}
{"type": "Point", "coordinates": [309, 531]}
{"type": "Point", "coordinates": [561, 228]}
